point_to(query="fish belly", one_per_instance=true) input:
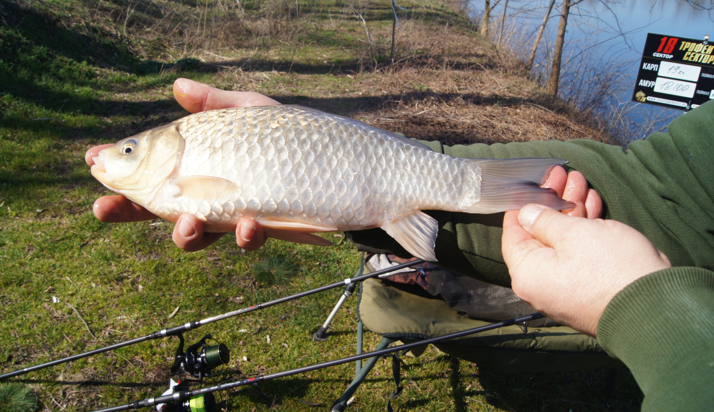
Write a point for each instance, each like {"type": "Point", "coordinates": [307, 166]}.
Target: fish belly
{"type": "Point", "coordinates": [301, 166]}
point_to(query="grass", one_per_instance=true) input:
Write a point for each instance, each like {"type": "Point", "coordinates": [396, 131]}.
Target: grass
{"type": "Point", "coordinates": [74, 77]}
{"type": "Point", "coordinates": [274, 270]}
{"type": "Point", "coordinates": [17, 398]}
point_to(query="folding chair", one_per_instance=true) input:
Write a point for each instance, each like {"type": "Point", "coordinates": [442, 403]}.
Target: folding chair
{"type": "Point", "coordinates": [429, 301]}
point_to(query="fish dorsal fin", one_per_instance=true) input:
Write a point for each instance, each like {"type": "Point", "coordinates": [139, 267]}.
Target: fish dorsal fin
{"type": "Point", "coordinates": [416, 233]}
{"type": "Point", "coordinates": [208, 188]}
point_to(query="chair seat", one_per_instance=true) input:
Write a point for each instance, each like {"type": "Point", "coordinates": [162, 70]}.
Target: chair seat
{"type": "Point", "coordinates": [406, 313]}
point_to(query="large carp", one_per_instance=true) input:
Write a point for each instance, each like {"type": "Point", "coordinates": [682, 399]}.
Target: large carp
{"type": "Point", "coordinates": [298, 171]}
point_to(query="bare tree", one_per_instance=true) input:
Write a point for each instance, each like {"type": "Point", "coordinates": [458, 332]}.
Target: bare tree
{"type": "Point", "coordinates": [487, 7]}
{"type": "Point", "coordinates": [503, 22]}
{"type": "Point", "coordinates": [559, 42]}
{"type": "Point", "coordinates": [539, 36]}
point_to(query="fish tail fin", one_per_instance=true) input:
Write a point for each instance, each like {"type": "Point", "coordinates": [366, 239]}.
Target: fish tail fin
{"type": "Point", "coordinates": [510, 184]}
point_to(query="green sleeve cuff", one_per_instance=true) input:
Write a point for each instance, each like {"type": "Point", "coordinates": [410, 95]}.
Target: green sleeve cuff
{"type": "Point", "coordinates": [662, 327]}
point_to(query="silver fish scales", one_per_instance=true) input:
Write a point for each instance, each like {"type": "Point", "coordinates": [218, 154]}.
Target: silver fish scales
{"type": "Point", "coordinates": [298, 170]}
{"type": "Point", "coordinates": [318, 169]}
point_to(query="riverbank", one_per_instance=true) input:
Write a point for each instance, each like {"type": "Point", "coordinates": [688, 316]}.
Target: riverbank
{"type": "Point", "coordinates": [447, 83]}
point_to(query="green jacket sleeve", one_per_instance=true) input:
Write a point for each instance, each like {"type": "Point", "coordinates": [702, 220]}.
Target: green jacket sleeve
{"type": "Point", "coordinates": [662, 327]}
{"type": "Point", "coordinates": [662, 186]}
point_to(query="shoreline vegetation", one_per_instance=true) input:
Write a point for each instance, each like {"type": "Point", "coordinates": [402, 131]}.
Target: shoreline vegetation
{"type": "Point", "coordinates": [77, 73]}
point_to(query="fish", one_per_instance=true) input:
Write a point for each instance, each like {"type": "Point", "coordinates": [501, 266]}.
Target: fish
{"type": "Point", "coordinates": [299, 171]}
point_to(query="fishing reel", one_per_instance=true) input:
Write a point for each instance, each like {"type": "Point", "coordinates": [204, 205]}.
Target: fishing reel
{"type": "Point", "coordinates": [200, 403]}
{"type": "Point", "coordinates": [199, 359]}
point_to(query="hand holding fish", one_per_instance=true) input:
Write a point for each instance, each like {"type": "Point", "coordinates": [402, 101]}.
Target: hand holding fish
{"type": "Point", "coordinates": [299, 171]}
{"type": "Point", "coordinates": [188, 233]}
{"type": "Point", "coordinates": [569, 268]}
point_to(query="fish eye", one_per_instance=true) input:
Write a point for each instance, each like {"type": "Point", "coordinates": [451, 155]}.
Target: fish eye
{"type": "Point", "coordinates": [128, 147]}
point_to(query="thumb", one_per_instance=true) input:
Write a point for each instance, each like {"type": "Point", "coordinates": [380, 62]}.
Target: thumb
{"type": "Point", "coordinates": [545, 224]}
{"type": "Point", "coordinates": [197, 97]}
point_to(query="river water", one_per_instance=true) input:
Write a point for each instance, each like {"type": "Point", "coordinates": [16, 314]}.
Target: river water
{"type": "Point", "coordinates": [604, 44]}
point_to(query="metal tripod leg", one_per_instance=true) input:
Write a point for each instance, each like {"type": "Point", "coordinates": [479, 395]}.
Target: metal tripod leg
{"type": "Point", "coordinates": [321, 334]}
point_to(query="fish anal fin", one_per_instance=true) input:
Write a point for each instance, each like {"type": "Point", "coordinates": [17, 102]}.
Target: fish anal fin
{"type": "Point", "coordinates": [297, 237]}
{"type": "Point", "coordinates": [293, 226]}
{"type": "Point", "coordinates": [416, 233]}
{"type": "Point", "coordinates": [295, 231]}
{"type": "Point", "coordinates": [207, 188]}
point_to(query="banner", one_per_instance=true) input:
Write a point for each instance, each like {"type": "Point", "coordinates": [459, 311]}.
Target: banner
{"type": "Point", "coordinates": [675, 72]}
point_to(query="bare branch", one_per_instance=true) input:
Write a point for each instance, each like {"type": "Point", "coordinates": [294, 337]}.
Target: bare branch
{"type": "Point", "coordinates": [539, 36]}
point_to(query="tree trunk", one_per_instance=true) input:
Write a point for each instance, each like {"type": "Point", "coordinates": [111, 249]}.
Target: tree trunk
{"type": "Point", "coordinates": [503, 22]}
{"type": "Point", "coordinates": [487, 7]}
{"type": "Point", "coordinates": [558, 52]}
{"type": "Point", "coordinates": [539, 36]}
{"type": "Point", "coordinates": [486, 17]}
{"type": "Point", "coordinates": [394, 29]}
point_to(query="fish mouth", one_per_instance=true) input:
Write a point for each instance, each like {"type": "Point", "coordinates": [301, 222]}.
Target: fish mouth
{"type": "Point", "coordinates": [98, 166]}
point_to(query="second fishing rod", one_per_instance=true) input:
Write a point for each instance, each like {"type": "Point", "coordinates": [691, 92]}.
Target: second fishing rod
{"type": "Point", "coordinates": [181, 396]}
{"type": "Point", "coordinates": [180, 329]}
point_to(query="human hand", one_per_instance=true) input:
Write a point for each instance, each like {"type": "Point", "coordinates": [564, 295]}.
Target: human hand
{"type": "Point", "coordinates": [188, 232]}
{"type": "Point", "coordinates": [574, 188]}
{"type": "Point", "coordinates": [569, 268]}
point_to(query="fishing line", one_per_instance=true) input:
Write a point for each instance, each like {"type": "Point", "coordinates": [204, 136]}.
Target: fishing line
{"type": "Point", "coordinates": [179, 330]}
{"type": "Point", "coordinates": [182, 396]}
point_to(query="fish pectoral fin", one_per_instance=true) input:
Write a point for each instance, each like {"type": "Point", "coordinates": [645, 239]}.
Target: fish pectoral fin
{"type": "Point", "coordinates": [206, 188]}
{"type": "Point", "coordinates": [297, 237]}
{"type": "Point", "coordinates": [416, 233]}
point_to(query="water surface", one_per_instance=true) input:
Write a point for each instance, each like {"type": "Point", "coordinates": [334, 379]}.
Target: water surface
{"type": "Point", "coordinates": [604, 42]}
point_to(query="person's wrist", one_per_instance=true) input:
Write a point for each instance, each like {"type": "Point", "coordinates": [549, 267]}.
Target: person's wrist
{"type": "Point", "coordinates": [653, 318]}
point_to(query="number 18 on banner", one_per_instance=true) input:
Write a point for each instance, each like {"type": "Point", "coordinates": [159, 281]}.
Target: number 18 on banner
{"type": "Point", "coordinates": [675, 72]}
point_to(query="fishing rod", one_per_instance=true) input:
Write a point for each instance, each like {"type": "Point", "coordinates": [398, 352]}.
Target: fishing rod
{"type": "Point", "coordinates": [182, 396]}
{"type": "Point", "coordinates": [209, 355]}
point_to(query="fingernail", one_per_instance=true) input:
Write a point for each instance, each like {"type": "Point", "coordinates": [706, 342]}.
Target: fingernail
{"type": "Point", "coordinates": [178, 87]}
{"type": "Point", "coordinates": [246, 231]}
{"type": "Point", "coordinates": [528, 215]}
{"type": "Point", "coordinates": [185, 229]}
